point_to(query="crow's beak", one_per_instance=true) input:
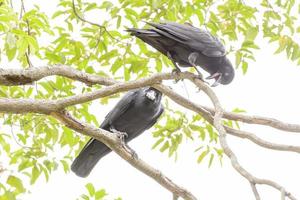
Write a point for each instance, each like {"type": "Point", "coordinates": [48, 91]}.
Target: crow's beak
{"type": "Point", "coordinates": [217, 76]}
{"type": "Point", "coordinates": [151, 95]}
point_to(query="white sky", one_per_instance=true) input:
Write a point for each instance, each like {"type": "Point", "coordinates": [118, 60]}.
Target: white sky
{"type": "Point", "coordinates": [270, 88]}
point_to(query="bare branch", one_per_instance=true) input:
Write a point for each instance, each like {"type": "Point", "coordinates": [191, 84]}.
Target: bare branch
{"type": "Point", "coordinates": [261, 142]}
{"type": "Point", "coordinates": [259, 120]}
{"type": "Point", "coordinates": [115, 143]}
{"type": "Point", "coordinates": [230, 154]}
{"type": "Point", "coordinates": [28, 76]}
{"type": "Point", "coordinates": [8, 105]}
{"type": "Point", "coordinates": [255, 192]}
{"type": "Point", "coordinates": [206, 115]}
{"type": "Point", "coordinates": [20, 76]}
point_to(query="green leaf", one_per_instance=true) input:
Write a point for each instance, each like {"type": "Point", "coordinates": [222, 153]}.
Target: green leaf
{"type": "Point", "coordinates": [11, 40]}
{"type": "Point", "coordinates": [296, 52]}
{"type": "Point", "coordinates": [22, 45]}
{"type": "Point", "coordinates": [11, 53]}
{"type": "Point", "coordinates": [90, 189]}
{"type": "Point", "coordinates": [35, 173]}
{"type": "Point", "coordinates": [165, 146]}
{"type": "Point", "coordinates": [251, 34]}
{"type": "Point", "coordinates": [211, 159]}
{"type": "Point", "coordinates": [119, 21]}
{"type": "Point", "coordinates": [106, 5]}
{"type": "Point", "coordinates": [283, 42]}
{"type": "Point", "coordinates": [100, 194]}
{"type": "Point", "coordinates": [244, 67]}
{"type": "Point", "coordinates": [32, 43]}
{"type": "Point", "coordinates": [157, 143]}
{"type": "Point", "coordinates": [65, 166]}
{"type": "Point", "coordinates": [202, 156]}
{"type": "Point", "coordinates": [16, 183]}
{"type": "Point", "coordinates": [117, 64]}
{"type": "Point", "coordinates": [238, 58]}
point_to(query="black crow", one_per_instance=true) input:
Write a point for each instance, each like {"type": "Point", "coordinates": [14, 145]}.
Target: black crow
{"type": "Point", "coordinates": [136, 112]}
{"type": "Point", "coordinates": [189, 46]}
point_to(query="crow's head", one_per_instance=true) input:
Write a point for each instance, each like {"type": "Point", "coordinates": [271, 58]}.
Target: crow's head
{"type": "Point", "coordinates": [153, 94]}
{"type": "Point", "coordinates": [224, 75]}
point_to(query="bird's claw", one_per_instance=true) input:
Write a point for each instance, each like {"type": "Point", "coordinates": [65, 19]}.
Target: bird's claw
{"type": "Point", "coordinates": [176, 71]}
{"type": "Point", "coordinates": [200, 76]}
{"type": "Point", "coordinates": [121, 135]}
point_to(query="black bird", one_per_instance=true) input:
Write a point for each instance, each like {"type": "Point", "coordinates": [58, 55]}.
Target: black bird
{"type": "Point", "coordinates": [136, 112]}
{"type": "Point", "coordinates": [189, 46]}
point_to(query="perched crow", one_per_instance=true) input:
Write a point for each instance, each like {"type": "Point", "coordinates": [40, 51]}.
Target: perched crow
{"type": "Point", "coordinates": [189, 46]}
{"type": "Point", "coordinates": [136, 112]}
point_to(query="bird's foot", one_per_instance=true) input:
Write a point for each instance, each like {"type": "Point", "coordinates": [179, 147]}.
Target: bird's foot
{"type": "Point", "coordinates": [200, 77]}
{"type": "Point", "coordinates": [121, 135]}
{"type": "Point", "coordinates": [176, 71]}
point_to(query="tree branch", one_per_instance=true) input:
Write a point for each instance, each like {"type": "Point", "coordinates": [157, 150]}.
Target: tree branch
{"type": "Point", "coordinates": [223, 141]}
{"type": "Point", "coordinates": [255, 192]}
{"type": "Point", "coordinates": [19, 77]}
{"type": "Point", "coordinates": [11, 77]}
{"type": "Point", "coordinates": [261, 142]}
{"type": "Point", "coordinates": [115, 143]}
{"type": "Point", "coordinates": [253, 119]}
{"type": "Point", "coordinates": [208, 117]}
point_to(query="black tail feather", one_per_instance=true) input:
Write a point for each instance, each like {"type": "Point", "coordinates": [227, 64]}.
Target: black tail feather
{"type": "Point", "coordinates": [92, 152]}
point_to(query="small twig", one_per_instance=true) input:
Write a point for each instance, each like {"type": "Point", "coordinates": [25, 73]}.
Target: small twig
{"type": "Point", "coordinates": [282, 194]}
{"type": "Point", "coordinates": [255, 192]}
{"type": "Point", "coordinates": [94, 24]}
{"type": "Point", "coordinates": [2, 169]}
{"type": "Point", "coordinates": [175, 196]}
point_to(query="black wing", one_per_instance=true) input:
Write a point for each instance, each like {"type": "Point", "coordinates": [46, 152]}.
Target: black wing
{"type": "Point", "coordinates": [155, 117]}
{"type": "Point", "coordinates": [119, 109]}
{"type": "Point", "coordinates": [197, 39]}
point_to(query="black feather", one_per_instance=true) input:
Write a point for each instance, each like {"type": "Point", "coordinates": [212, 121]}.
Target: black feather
{"type": "Point", "coordinates": [133, 114]}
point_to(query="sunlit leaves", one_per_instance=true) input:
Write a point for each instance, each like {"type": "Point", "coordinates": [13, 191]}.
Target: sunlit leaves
{"type": "Point", "coordinates": [93, 194]}
{"type": "Point", "coordinates": [16, 183]}
{"type": "Point", "coordinates": [175, 126]}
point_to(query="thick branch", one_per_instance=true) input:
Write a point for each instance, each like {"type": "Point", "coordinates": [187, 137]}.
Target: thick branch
{"type": "Point", "coordinates": [28, 76]}
{"type": "Point", "coordinates": [48, 106]}
{"type": "Point", "coordinates": [112, 141]}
